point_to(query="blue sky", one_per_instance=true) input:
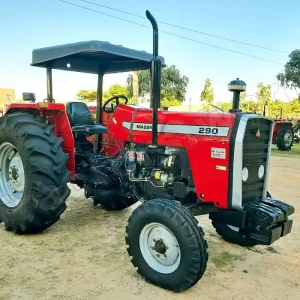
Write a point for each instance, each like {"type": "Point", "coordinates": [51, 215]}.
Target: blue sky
{"type": "Point", "coordinates": [29, 24]}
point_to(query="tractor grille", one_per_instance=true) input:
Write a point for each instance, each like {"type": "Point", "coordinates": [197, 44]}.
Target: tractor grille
{"type": "Point", "coordinates": [255, 154]}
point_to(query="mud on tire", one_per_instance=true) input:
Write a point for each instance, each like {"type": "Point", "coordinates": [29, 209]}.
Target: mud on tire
{"type": "Point", "coordinates": [190, 237]}
{"type": "Point", "coordinates": [45, 172]}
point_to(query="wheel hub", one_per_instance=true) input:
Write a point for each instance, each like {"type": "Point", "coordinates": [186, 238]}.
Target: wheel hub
{"type": "Point", "coordinates": [160, 248]}
{"type": "Point", "coordinates": [287, 138]}
{"type": "Point", "coordinates": [12, 176]}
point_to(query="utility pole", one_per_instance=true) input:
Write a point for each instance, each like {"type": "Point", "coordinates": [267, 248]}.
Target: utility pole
{"type": "Point", "coordinates": [135, 87]}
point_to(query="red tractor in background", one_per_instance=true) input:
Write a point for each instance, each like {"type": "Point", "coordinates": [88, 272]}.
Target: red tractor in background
{"type": "Point", "coordinates": [297, 131]}
{"type": "Point", "coordinates": [177, 164]}
{"type": "Point", "coordinates": [283, 134]}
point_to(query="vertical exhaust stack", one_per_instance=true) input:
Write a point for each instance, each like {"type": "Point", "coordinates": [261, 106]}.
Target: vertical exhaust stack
{"type": "Point", "coordinates": [236, 86]}
{"type": "Point", "coordinates": [155, 79]}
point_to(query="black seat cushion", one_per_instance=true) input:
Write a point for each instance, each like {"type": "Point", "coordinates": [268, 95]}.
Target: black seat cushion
{"type": "Point", "coordinates": [89, 129]}
{"type": "Point", "coordinates": [82, 119]}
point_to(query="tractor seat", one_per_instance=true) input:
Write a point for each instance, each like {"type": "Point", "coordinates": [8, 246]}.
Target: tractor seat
{"type": "Point", "coordinates": [82, 120]}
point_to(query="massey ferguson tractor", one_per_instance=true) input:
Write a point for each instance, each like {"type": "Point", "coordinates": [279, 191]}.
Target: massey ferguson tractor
{"type": "Point", "coordinates": [177, 164]}
{"type": "Point", "coordinates": [283, 134]}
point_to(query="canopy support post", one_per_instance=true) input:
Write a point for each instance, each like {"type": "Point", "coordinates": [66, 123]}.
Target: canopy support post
{"type": "Point", "coordinates": [49, 85]}
{"type": "Point", "coordinates": [99, 108]}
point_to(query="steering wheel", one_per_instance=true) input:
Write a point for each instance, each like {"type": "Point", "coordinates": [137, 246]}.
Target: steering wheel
{"type": "Point", "coordinates": [112, 107]}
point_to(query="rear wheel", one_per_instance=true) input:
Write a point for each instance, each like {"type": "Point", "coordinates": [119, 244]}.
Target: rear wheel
{"type": "Point", "coordinates": [285, 138]}
{"type": "Point", "coordinates": [33, 174]}
{"type": "Point", "coordinates": [167, 245]}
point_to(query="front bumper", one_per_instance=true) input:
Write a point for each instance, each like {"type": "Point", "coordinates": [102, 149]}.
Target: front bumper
{"type": "Point", "coordinates": [267, 220]}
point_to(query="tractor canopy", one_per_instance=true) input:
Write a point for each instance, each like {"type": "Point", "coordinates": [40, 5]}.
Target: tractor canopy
{"type": "Point", "coordinates": [92, 57]}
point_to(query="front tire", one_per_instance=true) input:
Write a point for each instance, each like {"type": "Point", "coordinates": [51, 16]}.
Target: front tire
{"type": "Point", "coordinates": [232, 234]}
{"type": "Point", "coordinates": [33, 174]}
{"type": "Point", "coordinates": [167, 245]}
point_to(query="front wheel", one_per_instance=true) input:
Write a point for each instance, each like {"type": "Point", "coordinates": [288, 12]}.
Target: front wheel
{"type": "Point", "coordinates": [232, 234]}
{"type": "Point", "coordinates": [167, 245]}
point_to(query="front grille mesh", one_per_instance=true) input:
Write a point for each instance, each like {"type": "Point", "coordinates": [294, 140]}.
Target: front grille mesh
{"type": "Point", "coordinates": [255, 154]}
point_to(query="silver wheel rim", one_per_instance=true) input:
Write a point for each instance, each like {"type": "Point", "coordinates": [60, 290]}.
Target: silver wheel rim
{"type": "Point", "coordinates": [287, 139]}
{"type": "Point", "coordinates": [237, 229]}
{"type": "Point", "coordinates": [160, 248]}
{"type": "Point", "coordinates": [12, 176]}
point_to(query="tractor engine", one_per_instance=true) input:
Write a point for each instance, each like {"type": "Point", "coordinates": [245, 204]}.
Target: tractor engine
{"type": "Point", "coordinates": [137, 171]}
{"type": "Point", "coordinates": [155, 172]}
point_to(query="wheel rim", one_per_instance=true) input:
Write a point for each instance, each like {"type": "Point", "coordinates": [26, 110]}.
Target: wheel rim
{"type": "Point", "coordinates": [237, 229]}
{"type": "Point", "coordinates": [287, 139]}
{"type": "Point", "coordinates": [160, 248]}
{"type": "Point", "coordinates": [12, 176]}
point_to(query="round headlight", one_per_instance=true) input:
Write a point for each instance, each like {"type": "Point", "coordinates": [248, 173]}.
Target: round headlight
{"type": "Point", "coordinates": [245, 174]}
{"type": "Point", "coordinates": [261, 171]}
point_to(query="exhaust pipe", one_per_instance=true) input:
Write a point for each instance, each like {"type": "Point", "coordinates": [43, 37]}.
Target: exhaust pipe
{"type": "Point", "coordinates": [155, 79]}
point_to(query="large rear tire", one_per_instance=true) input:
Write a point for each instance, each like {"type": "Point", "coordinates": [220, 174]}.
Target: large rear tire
{"type": "Point", "coordinates": [167, 245]}
{"type": "Point", "coordinates": [33, 174]}
{"type": "Point", "coordinates": [285, 138]}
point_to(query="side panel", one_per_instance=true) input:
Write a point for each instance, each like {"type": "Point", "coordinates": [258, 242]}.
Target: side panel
{"type": "Point", "coordinates": [55, 114]}
{"type": "Point", "coordinates": [205, 137]}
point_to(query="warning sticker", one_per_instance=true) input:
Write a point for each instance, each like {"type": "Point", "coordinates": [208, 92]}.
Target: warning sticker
{"type": "Point", "coordinates": [218, 153]}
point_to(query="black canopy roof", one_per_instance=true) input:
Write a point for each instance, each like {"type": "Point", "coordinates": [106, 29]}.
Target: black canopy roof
{"type": "Point", "coordinates": [92, 57]}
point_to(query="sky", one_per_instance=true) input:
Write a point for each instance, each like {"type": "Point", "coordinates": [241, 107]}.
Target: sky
{"type": "Point", "coordinates": [29, 24]}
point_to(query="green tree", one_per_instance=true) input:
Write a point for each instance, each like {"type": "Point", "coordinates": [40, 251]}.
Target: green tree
{"type": "Point", "coordinates": [173, 84]}
{"type": "Point", "coordinates": [264, 94]}
{"type": "Point", "coordinates": [91, 95]}
{"type": "Point", "coordinates": [87, 95]}
{"type": "Point", "coordinates": [291, 75]}
{"type": "Point", "coordinates": [207, 95]}
{"type": "Point", "coordinates": [115, 90]}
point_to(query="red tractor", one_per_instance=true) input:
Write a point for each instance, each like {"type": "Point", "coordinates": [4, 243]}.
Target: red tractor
{"type": "Point", "coordinates": [297, 131]}
{"type": "Point", "coordinates": [283, 135]}
{"type": "Point", "coordinates": [177, 164]}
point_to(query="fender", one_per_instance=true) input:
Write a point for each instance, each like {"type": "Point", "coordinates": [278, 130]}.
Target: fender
{"type": "Point", "coordinates": [55, 114]}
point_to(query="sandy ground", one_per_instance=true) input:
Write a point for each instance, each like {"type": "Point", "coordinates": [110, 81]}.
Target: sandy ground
{"type": "Point", "coordinates": [84, 257]}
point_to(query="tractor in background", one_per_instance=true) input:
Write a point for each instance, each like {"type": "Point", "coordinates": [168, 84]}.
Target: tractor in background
{"type": "Point", "coordinates": [283, 135]}
{"type": "Point", "coordinates": [176, 164]}
{"type": "Point", "coordinates": [296, 130]}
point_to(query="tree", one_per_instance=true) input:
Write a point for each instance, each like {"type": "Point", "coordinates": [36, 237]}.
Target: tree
{"type": "Point", "coordinates": [291, 75]}
{"type": "Point", "coordinates": [207, 95]}
{"type": "Point", "coordinates": [87, 96]}
{"type": "Point", "coordinates": [91, 96]}
{"type": "Point", "coordinates": [264, 94]}
{"type": "Point", "coordinates": [115, 90]}
{"type": "Point", "coordinates": [173, 84]}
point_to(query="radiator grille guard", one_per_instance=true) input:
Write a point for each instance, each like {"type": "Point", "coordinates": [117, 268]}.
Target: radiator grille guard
{"type": "Point", "coordinates": [255, 157]}
{"type": "Point", "coordinates": [250, 146]}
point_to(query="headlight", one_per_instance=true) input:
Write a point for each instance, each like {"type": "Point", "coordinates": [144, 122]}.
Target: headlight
{"type": "Point", "coordinates": [261, 171]}
{"type": "Point", "coordinates": [245, 174]}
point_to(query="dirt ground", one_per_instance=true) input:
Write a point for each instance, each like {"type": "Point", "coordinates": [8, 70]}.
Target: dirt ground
{"type": "Point", "coordinates": [84, 257]}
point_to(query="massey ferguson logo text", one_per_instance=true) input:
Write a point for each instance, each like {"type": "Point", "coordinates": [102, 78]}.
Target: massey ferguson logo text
{"type": "Point", "coordinates": [219, 131]}
{"type": "Point", "coordinates": [149, 127]}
